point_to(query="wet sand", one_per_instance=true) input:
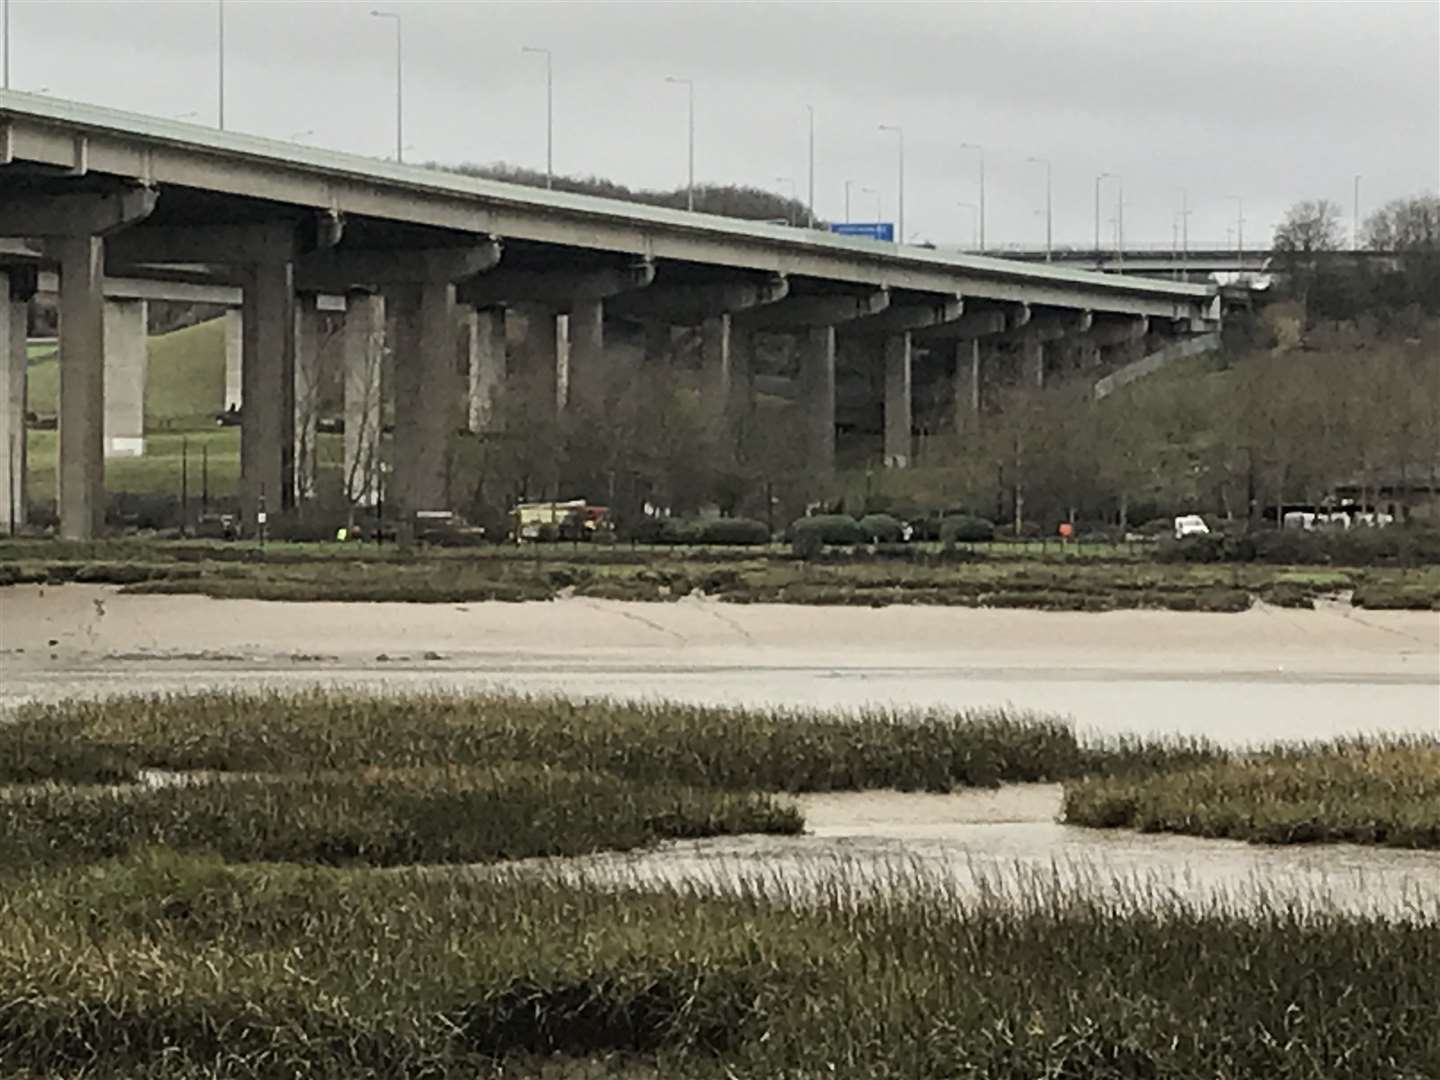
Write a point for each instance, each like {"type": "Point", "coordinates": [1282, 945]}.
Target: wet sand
{"type": "Point", "coordinates": [1269, 673]}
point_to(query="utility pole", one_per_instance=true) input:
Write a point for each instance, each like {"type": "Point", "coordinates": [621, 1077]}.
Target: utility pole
{"type": "Point", "coordinates": [1185, 232]}
{"type": "Point", "coordinates": [7, 86]}
{"type": "Point", "coordinates": [900, 204]}
{"type": "Point", "coordinates": [1120, 223]}
{"type": "Point", "coordinates": [980, 151]}
{"type": "Point", "coordinates": [399, 84]}
{"type": "Point", "coordinates": [690, 183]}
{"type": "Point", "coordinates": [847, 201]}
{"type": "Point", "coordinates": [810, 206]}
{"type": "Point", "coordinates": [549, 115]}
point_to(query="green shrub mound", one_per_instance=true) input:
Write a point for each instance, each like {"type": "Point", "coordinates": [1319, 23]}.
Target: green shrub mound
{"type": "Point", "coordinates": [810, 535]}
{"type": "Point", "coordinates": [966, 530]}
{"type": "Point", "coordinates": [375, 817]}
{"type": "Point", "coordinates": [1395, 545]}
{"type": "Point", "coordinates": [736, 532]}
{"type": "Point", "coordinates": [1362, 791]}
{"type": "Point", "coordinates": [882, 529]}
{"type": "Point", "coordinates": [180, 969]}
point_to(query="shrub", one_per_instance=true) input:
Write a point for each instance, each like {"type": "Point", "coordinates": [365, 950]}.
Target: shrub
{"type": "Point", "coordinates": [882, 528]}
{"type": "Point", "coordinates": [737, 532]}
{"type": "Point", "coordinates": [810, 535]}
{"type": "Point", "coordinates": [967, 530]}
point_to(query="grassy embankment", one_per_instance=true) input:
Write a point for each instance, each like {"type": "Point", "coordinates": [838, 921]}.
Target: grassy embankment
{"type": "Point", "coordinates": [173, 964]}
{"type": "Point", "coordinates": [1098, 580]}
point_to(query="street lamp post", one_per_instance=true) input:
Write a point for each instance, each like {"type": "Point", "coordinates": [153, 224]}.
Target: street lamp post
{"type": "Point", "coordinates": [1120, 223]}
{"type": "Point", "coordinates": [876, 193]}
{"type": "Point", "coordinates": [980, 151]}
{"type": "Point", "coordinates": [974, 220]}
{"type": "Point", "coordinates": [810, 203]}
{"type": "Point", "coordinates": [689, 85]}
{"type": "Point", "coordinates": [1185, 231]}
{"type": "Point", "coordinates": [1049, 206]}
{"type": "Point", "coordinates": [220, 67]}
{"type": "Point", "coordinates": [549, 113]}
{"type": "Point", "coordinates": [1239, 227]}
{"type": "Point", "coordinates": [900, 203]}
{"type": "Point", "coordinates": [399, 84]}
{"type": "Point", "coordinates": [1355, 224]}
{"type": "Point", "coordinates": [1102, 177]}
{"type": "Point", "coordinates": [847, 201]}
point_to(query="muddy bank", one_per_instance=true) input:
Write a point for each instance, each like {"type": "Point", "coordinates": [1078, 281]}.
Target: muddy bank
{"type": "Point", "coordinates": [1268, 673]}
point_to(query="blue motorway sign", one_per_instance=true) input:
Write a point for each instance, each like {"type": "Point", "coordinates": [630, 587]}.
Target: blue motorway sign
{"type": "Point", "coordinates": [874, 230]}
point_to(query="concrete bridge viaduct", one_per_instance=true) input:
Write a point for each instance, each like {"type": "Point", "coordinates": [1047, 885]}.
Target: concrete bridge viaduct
{"type": "Point", "coordinates": [109, 209]}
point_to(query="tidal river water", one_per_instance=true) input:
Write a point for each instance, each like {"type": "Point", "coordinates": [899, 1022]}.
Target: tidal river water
{"type": "Point", "coordinates": [1264, 675]}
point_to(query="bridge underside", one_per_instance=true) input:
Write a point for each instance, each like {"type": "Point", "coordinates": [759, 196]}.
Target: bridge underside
{"type": "Point", "coordinates": [437, 305]}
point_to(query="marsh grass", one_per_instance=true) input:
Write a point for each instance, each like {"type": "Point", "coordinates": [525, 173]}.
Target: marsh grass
{"type": "Point", "coordinates": [1368, 791]}
{"type": "Point", "coordinates": [998, 576]}
{"type": "Point", "coordinates": [181, 968]}
{"type": "Point", "coordinates": [375, 817]}
{"type": "Point", "coordinates": [788, 750]}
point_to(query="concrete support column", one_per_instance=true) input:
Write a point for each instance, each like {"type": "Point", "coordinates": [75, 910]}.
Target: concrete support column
{"type": "Point", "coordinates": [425, 412]}
{"type": "Point", "coordinates": [817, 401]}
{"type": "Point", "coordinates": [125, 368]}
{"type": "Point", "coordinates": [364, 349]}
{"type": "Point", "coordinates": [267, 438]}
{"type": "Point", "coordinates": [234, 357]}
{"type": "Point", "coordinates": [542, 347]}
{"type": "Point", "coordinates": [13, 389]}
{"type": "Point", "coordinates": [307, 393]}
{"type": "Point", "coordinates": [587, 377]}
{"type": "Point", "coordinates": [898, 419]}
{"type": "Point", "coordinates": [717, 375]}
{"type": "Point", "coordinates": [82, 386]}
{"type": "Point", "coordinates": [487, 365]}
{"type": "Point", "coordinates": [968, 377]}
{"type": "Point", "coordinates": [1032, 360]}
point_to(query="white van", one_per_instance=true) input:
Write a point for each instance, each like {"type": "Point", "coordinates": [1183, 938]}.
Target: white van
{"type": "Point", "coordinates": [1190, 525]}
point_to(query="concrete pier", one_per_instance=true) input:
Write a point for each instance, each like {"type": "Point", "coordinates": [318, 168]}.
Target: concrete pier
{"type": "Point", "coordinates": [817, 401]}
{"type": "Point", "coordinates": [425, 407]}
{"type": "Point", "coordinates": [968, 377]}
{"type": "Point", "coordinates": [267, 441]}
{"type": "Point", "coordinates": [898, 405]}
{"type": "Point", "coordinates": [82, 386]}
{"type": "Point", "coordinates": [13, 389]}
{"type": "Point", "coordinates": [1032, 359]}
{"type": "Point", "coordinates": [485, 331]}
{"type": "Point", "coordinates": [307, 392]}
{"type": "Point", "coordinates": [125, 371]}
{"type": "Point", "coordinates": [364, 350]}
{"type": "Point", "coordinates": [541, 372]}
{"type": "Point", "coordinates": [587, 378]}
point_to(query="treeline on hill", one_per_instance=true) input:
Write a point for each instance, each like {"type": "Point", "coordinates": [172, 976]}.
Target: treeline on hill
{"type": "Point", "coordinates": [725, 200]}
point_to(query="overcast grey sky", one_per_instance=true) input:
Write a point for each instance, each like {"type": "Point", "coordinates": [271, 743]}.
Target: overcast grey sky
{"type": "Point", "coordinates": [1270, 101]}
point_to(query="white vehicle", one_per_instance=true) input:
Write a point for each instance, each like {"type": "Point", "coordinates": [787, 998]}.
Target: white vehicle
{"type": "Point", "coordinates": [1190, 525]}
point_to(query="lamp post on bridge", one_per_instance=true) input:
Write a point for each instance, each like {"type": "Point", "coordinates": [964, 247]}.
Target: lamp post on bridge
{"type": "Point", "coordinates": [1239, 229]}
{"type": "Point", "coordinates": [689, 85]}
{"type": "Point", "coordinates": [900, 204]}
{"type": "Point", "coordinates": [876, 193]}
{"type": "Point", "coordinates": [549, 113]}
{"type": "Point", "coordinates": [399, 83]}
{"type": "Point", "coordinates": [847, 201]}
{"type": "Point", "coordinates": [1355, 223]}
{"type": "Point", "coordinates": [980, 152]}
{"type": "Point", "coordinates": [974, 221]}
{"type": "Point", "coordinates": [1098, 180]}
{"type": "Point", "coordinates": [220, 56]}
{"type": "Point", "coordinates": [810, 202]}
{"type": "Point", "coordinates": [1049, 206]}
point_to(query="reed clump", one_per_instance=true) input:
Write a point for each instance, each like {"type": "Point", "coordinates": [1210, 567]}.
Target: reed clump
{"type": "Point", "coordinates": [1368, 791]}
{"type": "Point", "coordinates": [159, 965]}
{"type": "Point", "coordinates": [776, 749]}
{"type": "Point", "coordinates": [375, 817]}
